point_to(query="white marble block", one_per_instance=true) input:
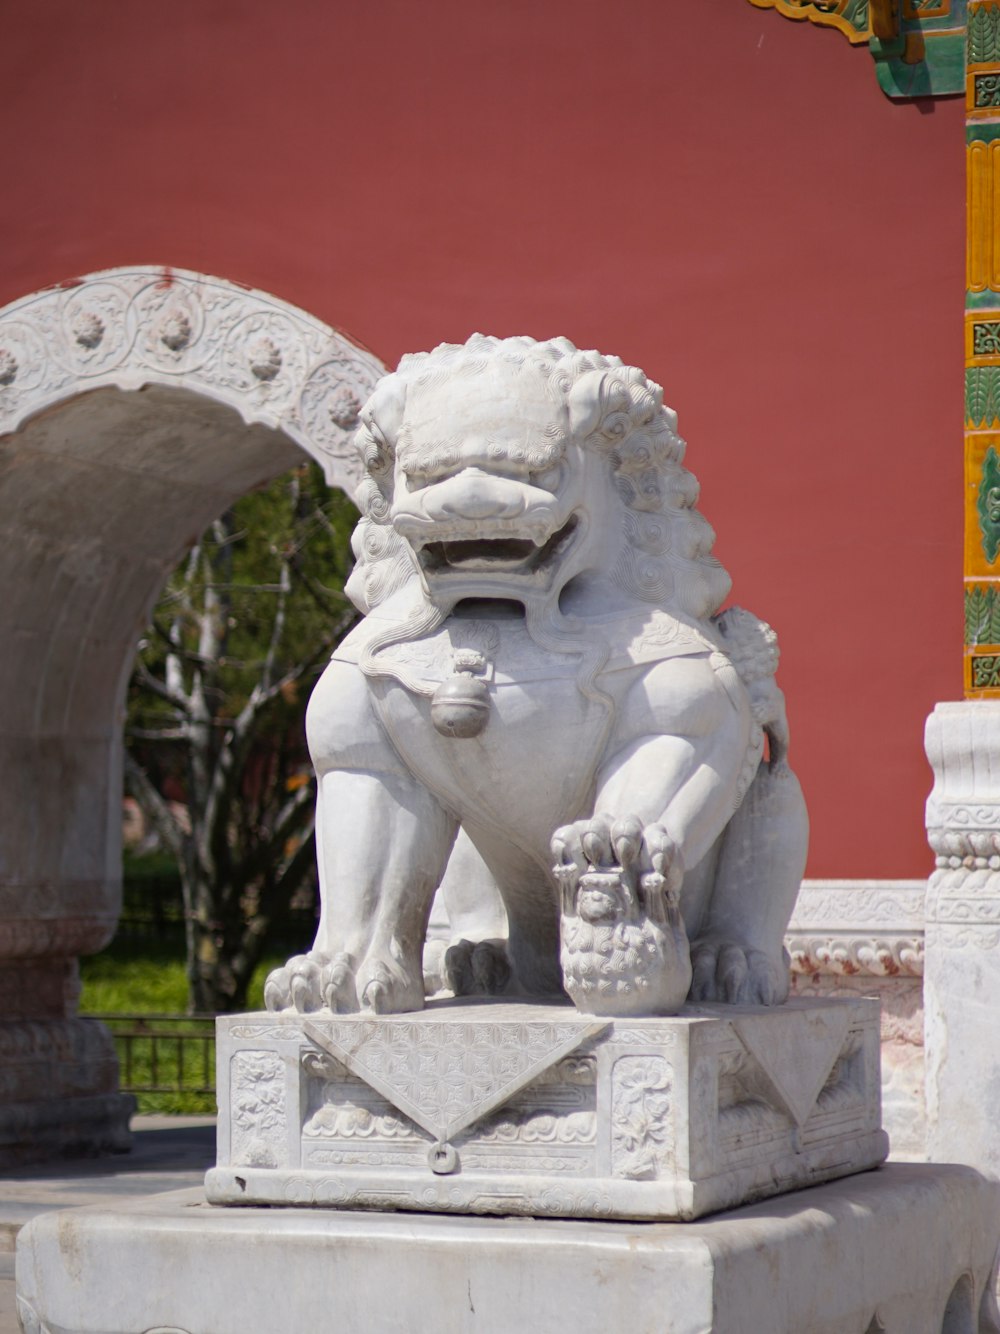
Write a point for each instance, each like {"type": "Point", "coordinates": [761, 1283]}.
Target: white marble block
{"type": "Point", "coordinates": [498, 1108]}
{"type": "Point", "coordinates": [905, 1250]}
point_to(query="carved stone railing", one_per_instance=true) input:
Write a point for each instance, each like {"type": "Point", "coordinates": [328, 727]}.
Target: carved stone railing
{"type": "Point", "coordinates": [858, 928]}
{"type": "Point", "coordinates": [866, 937]}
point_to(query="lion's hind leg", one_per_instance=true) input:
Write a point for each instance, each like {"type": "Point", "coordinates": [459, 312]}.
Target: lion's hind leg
{"type": "Point", "coordinates": [738, 955]}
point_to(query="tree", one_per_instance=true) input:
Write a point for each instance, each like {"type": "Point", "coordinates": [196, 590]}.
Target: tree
{"type": "Point", "coordinates": [216, 717]}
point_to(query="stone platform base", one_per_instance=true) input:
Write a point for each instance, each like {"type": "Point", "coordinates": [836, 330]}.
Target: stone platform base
{"type": "Point", "coordinates": [500, 1108]}
{"type": "Point", "coordinates": [908, 1249]}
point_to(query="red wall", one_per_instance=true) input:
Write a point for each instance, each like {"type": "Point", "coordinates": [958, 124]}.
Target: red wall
{"type": "Point", "coordinates": [707, 189]}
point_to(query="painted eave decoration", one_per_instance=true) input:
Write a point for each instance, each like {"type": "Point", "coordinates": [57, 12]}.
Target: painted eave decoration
{"type": "Point", "coordinates": [918, 45]}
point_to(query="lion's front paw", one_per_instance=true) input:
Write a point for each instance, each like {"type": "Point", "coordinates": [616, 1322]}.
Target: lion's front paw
{"type": "Point", "coordinates": [624, 947]}
{"type": "Point", "coordinates": [723, 970]}
{"type": "Point", "coordinates": [297, 985]}
{"type": "Point", "coordinates": [645, 856]}
{"type": "Point", "coordinates": [311, 981]}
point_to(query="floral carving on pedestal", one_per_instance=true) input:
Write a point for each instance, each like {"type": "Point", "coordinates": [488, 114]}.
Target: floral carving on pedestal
{"type": "Point", "coordinates": [642, 1141]}
{"type": "Point", "coordinates": [258, 1118]}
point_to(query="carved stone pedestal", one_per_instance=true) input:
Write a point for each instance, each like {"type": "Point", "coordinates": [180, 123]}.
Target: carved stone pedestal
{"type": "Point", "coordinates": [497, 1108]}
{"type": "Point", "coordinates": [905, 1250]}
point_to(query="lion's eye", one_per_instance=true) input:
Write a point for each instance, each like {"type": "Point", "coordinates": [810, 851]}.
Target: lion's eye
{"type": "Point", "coordinates": [547, 480]}
{"type": "Point", "coordinates": [415, 481]}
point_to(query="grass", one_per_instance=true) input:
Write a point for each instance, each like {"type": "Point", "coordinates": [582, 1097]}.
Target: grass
{"type": "Point", "coordinates": [139, 975]}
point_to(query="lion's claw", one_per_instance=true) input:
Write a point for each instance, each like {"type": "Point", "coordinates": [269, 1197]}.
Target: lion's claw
{"type": "Point", "coordinates": [298, 985]}
{"type": "Point", "coordinates": [384, 985]}
{"type": "Point", "coordinates": [376, 996]}
{"type": "Point", "coordinates": [604, 844]}
{"type": "Point", "coordinates": [338, 985]}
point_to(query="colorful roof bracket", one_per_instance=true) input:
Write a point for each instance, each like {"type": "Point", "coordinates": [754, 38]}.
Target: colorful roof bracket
{"type": "Point", "coordinates": [918, 45]}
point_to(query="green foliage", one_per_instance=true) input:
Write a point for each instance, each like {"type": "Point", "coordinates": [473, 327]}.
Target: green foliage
{"type": "Point", "coordinates": [149, 977]}
{"type": "Point", "coordinates": [230, 591]}
{"type": "Point", "coordinates": [215, 732]}
{"type": "Point", "coordinates": [127, 978]}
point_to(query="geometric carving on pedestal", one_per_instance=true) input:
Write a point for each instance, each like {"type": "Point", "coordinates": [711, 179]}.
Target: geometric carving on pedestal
{"type": "Point", "coordinates": [445, 1077]}
{"type": "Point", "coordinates": [796, 1050]}
{"type": "Point", "coordinates": [549, 1112]}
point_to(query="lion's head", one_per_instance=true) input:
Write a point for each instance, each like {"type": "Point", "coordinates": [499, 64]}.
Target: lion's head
{"type": "Point", "coordinates": [508, 468]}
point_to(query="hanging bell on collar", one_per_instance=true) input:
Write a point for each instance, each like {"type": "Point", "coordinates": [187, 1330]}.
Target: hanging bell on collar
{"type": "Point", "coordinates": [461, 705]}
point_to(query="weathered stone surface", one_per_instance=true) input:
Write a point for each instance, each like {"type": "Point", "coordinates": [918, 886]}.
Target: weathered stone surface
{"type": "Point", "coordinates": [905, 1250]}
{"type": "Point", "coordinates": [530, 1109]}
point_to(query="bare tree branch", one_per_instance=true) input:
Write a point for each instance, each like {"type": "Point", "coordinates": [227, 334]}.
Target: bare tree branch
{"type": "Point", "coordinates": [137, 783]}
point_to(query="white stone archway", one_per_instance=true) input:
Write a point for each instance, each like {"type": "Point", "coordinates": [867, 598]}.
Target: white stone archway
{"type": "Point", "coordinates": [135, 405]}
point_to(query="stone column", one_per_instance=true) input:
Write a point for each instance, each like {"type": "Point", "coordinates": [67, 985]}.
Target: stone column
{"type": "Point", "coordinates": [59, 899]}
{"type": "Point", "coordinates": [962, 963]}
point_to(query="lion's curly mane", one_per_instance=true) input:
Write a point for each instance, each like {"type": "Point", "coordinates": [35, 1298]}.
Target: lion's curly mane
{"type": "Point", "coordinates": [665, 553]}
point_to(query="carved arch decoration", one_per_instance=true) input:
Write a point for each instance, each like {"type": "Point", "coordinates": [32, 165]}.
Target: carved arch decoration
{"type": "Point", "coordinates": [278, 366]}
{"type": "Point", "coordinates": [135, 405]}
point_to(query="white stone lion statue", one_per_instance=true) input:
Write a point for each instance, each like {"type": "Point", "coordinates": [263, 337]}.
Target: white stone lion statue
{"type": "Point", "coordinates": [543, 666]}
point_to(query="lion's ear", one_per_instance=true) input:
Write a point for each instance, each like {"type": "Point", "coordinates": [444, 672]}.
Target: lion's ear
{"type": "Point", "coordinates": [586, 404]}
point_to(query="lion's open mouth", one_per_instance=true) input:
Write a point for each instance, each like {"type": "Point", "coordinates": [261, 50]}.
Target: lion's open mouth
{"type": "Point", "coordinates": [498, 555]}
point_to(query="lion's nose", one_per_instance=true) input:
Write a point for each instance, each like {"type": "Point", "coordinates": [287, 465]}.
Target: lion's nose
{"type": "Point", "coordinates": [474, 494]}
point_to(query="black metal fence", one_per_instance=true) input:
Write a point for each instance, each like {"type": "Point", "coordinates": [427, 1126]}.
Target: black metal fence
{"type": "Point", "coordinates": [164, 1053]}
